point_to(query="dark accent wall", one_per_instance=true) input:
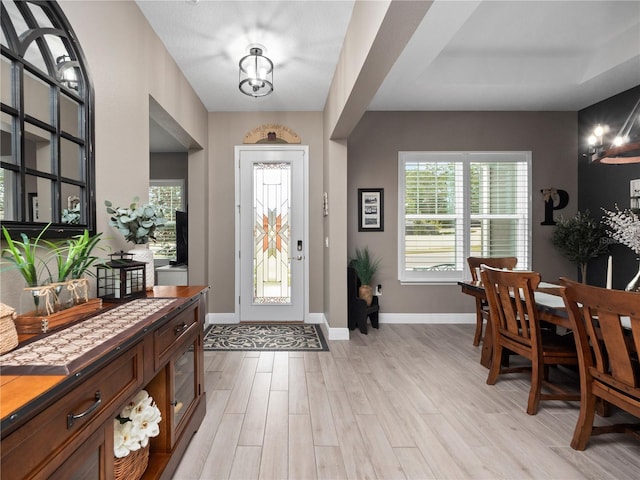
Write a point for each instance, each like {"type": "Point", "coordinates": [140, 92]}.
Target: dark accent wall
{"type": "Point", "coordinates": [604, 186]}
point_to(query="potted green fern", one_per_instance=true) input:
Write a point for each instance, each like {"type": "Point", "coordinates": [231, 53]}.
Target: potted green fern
{"type": "Point", "coordinates": [366, 267]}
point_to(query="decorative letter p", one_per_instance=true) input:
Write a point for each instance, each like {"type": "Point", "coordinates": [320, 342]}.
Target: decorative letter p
{"type": "Point", "coordinates": [550, 196]}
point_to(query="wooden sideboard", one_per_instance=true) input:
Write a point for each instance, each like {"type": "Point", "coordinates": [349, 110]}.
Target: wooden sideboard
{"type": "Point", "coordinates": [61, 425]}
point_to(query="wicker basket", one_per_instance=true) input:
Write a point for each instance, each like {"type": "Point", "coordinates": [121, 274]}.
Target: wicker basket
{"type": "Point", "coordinates": [132, 466]}
{"type": "Point", "coordinates": [8, 333]}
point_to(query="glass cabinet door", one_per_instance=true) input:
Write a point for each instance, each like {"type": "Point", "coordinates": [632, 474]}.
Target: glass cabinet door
{"type": "Point", "coordinates": [184, 385]}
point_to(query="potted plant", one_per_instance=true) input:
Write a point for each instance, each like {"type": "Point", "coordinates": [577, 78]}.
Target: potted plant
{"type": "Point", "coordinates": [365, 266]}
{"type": "Point", "coordinates": [580, 239]}
{"type": "Point", "coordinates": [73, 259]}
{"type": "Point", "coordinates": [138, 224]}
{"type": "Point", "coordinates": [24, 257]}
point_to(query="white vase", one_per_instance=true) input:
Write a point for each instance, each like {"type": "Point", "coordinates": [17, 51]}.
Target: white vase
{"type": "Point", "coordinates": [141, 253]}
{"type": "Point", "coordinates": [634, 284]}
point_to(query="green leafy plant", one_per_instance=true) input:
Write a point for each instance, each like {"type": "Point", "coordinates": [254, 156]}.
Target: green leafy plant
{"type": "Point", "coordinates": [73, 256]}
{"type": "Point", "coordinates": [580, 239]}
{"type": "Point", "coordinates": [71, 215]}
{"type": "Point", "coordinates": [364, 264]}
{"type": "Point", "coordinates": [84, 245]}
{"type": "Point", "coordinates": [23, 255]}
{"type": "Point", "coordinates": [137, 223]}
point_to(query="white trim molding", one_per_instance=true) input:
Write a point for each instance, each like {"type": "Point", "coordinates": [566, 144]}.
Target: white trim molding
{"type": "Point", "coordinates": [427, 318]}
{"type": "Point", "coordinates": [220, 318]}
{"type": "Point", "coordinates": [332, 333]}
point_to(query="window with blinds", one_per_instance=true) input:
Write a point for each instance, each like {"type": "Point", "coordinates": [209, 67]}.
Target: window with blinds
{"type": "Point", "coordinates": [458, 204]}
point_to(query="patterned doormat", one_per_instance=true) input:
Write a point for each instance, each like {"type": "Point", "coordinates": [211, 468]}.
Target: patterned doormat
{"type": "Point", "coordinates": [265, 337]}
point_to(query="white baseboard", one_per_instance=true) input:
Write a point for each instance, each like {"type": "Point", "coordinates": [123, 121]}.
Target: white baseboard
{"type": "Point", "coordinates": [217, 318]}
{"type": "Point", "coordinates": [332, 333]}
{"type": "Point", "coordinates": [329, 332]}
{"type": "Point", "coordinates": [427, 318]}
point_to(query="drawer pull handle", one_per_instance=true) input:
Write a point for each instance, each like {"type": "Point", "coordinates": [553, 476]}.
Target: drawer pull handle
{"type": "Point", "coordinates": [72, 418]}
{"type": "Point", "coordinates": [180, 328]}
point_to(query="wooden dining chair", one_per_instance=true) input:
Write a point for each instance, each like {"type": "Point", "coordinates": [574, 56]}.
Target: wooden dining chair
{"type": "Point", "coordinates": [482, 308]}
{"type": "Point", "coordinates": [516, 327]}
{"type": "Point", "coordinates": [607, 353]}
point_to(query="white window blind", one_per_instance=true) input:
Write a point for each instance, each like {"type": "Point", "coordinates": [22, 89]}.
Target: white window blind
{"type": "Point", "coordinates": [458, 204]}
{"type": "Point", "coordinates": [168, 194]}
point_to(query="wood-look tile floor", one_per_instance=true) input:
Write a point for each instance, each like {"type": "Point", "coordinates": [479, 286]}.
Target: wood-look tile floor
{"type": "Point", "coordinates": [405, 401]}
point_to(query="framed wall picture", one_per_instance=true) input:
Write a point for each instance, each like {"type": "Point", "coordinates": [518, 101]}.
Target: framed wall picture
{"type": "Point", "coordinates": [34, 211]}
{"type": "Point", "coordinates": [370, 209]}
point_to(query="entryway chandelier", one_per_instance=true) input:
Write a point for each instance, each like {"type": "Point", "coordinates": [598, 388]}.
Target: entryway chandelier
{"type": "Point", "coordinates": [256, 74]}
{"type": "Point", "coordinates": [623, 148]}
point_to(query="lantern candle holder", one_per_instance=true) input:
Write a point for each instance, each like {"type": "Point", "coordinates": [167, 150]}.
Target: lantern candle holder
{"type": "Point", "coordinates": [121, 278]}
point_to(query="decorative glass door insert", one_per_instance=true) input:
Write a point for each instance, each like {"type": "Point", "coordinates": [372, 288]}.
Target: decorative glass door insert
{"type": "Point", "coordinates": [272, 239]}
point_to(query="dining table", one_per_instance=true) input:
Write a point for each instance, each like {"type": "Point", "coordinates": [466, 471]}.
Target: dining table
{"type": "Point", "coordinates": [551, 309]}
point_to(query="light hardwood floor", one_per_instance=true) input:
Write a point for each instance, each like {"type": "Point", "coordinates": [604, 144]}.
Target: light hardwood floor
{"type": "Point", "coordinates": [405, 401]}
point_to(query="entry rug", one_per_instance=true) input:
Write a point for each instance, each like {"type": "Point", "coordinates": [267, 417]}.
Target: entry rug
{"type": "Point", "coordinates": [265, 337]}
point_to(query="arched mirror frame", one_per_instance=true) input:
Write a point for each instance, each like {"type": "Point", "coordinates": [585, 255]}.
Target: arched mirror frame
{"type": "Point", "coordinates": [47, 148]}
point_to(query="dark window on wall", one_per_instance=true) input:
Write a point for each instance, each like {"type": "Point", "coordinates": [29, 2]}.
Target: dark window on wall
{"type": "Point", "coordinates": [46, 145]}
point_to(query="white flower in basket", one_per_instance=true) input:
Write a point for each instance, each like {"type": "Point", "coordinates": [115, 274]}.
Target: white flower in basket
{"type": "Point", "coordinates": [136, 423]}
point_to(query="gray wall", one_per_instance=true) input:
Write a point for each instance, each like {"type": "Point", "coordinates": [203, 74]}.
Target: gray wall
{"type": "Point", "coordinates": [226, 130]}
{"type": "Point", "coordinates": [373, 157]}
{"type": "Point", "coordinates": [170, 166]}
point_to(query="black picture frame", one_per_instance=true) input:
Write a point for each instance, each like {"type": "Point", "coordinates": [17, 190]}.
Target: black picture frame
{"type": "Point", "coordinates": [371, 209]}
{"type": "Point", "coordinates": [34, 213]}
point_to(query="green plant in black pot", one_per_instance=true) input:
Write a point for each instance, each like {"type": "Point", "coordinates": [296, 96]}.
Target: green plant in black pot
{"type": "Point", "coordinates": [365, 266]}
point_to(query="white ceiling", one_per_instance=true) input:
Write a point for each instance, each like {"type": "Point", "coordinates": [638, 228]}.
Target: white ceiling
{"type": "Point", "coordinates": [465, 55]}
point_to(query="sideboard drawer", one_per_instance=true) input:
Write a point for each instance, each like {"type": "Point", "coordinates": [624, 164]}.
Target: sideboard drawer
{"type": "Point", "coordinates": [27, 451]}
{"type": "Point", "coordinates": [168, 337]}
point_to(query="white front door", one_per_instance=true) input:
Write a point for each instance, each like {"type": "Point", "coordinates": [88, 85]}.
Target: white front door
{"type": "Point", "coordinates": [272, 234]}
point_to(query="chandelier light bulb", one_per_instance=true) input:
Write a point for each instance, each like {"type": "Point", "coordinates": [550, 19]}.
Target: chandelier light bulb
{"type": "Point", "coordinates": [620, 141]}
{"type": "Point", "coordinates": [592, 140]}
{"type": "Point", "coordinates": [598, 131]}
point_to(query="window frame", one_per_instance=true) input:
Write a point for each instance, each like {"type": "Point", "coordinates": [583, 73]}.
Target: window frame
{"type": "Point", "coordinates": [463, 211]}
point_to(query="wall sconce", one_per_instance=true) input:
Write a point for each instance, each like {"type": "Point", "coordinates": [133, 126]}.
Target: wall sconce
{"type": "Point", "coordinates": [66, 72]}
{"type": "Point", "coordinates": [256, 74]}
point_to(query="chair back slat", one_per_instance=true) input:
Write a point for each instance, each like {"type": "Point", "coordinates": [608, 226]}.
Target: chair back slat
{"type": "Point", "coordinates": [635, 329]}
{"type": "Point", "coordinates": [619, 358]}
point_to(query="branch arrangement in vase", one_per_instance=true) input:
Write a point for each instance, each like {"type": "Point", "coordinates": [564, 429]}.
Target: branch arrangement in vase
{"type": "Point", "coordinates": [624, 227]}
{"type": "Point", "coordinates": [137, 223]}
